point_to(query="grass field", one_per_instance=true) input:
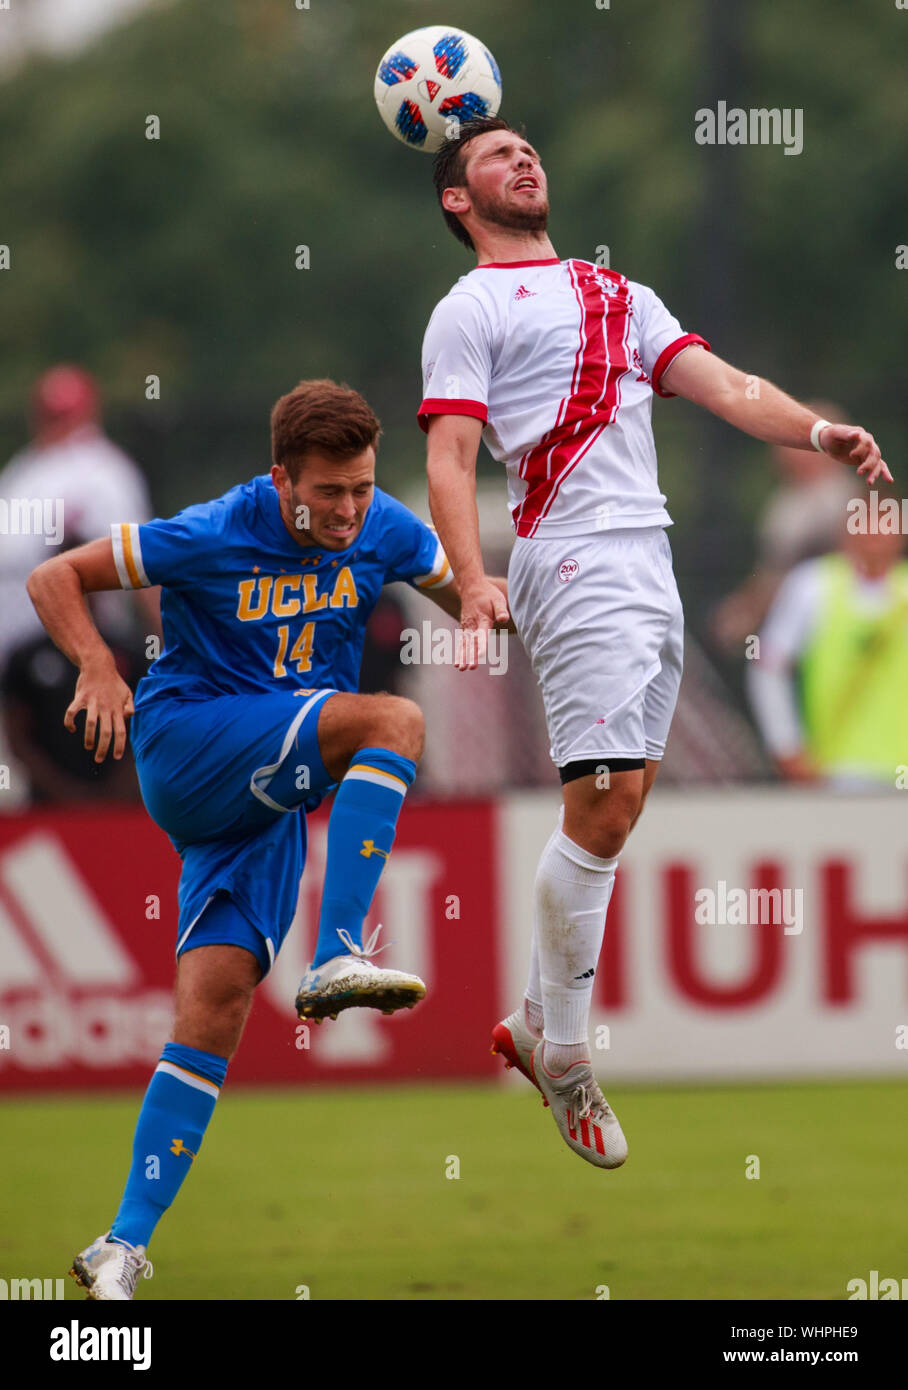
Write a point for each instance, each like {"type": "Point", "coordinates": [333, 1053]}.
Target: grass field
{"type": "Point", "coordinates": [345, 1192]}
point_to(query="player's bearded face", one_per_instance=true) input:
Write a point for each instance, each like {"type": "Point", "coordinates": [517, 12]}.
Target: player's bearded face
{"type": "Point", "coordinates": [504, 209]}
{"type": "Point", "coordinates": [506, 183]}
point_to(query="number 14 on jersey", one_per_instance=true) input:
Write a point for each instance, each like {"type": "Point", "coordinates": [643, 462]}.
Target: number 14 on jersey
{"type": "Point", "coordinates": [300, 653]}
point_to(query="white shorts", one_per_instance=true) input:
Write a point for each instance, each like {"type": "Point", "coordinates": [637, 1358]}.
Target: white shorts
{"type": "Point", "coordinates": [601, 619]}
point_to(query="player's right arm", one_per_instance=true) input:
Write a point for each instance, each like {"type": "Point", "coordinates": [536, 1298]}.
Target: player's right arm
{"type": "Point", "coordinates": [451, 467]}
{"type": "Point", "coordinates": [457, 372]}
{"type": "Point", "coordinates": [57, 589]}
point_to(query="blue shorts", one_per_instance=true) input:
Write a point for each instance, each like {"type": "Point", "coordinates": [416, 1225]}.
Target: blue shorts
{"type": "Point", "coordinates": [223, 924]}
{"type": "Point", "coordinates": [229, 779]}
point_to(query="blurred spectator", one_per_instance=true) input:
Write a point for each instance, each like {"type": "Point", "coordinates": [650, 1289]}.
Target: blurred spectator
{"type": "Point", "coordinates": [803, 518]}
{"type": "Point", "coordinates": [36, 689]}
{"type": "Point", "coordinates": [65, 487]}
{"type": "Point", "coordinates": [839, 628]}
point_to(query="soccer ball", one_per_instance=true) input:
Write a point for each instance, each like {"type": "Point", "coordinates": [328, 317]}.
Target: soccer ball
{"type": "Point", "coordinates": [430, 80]}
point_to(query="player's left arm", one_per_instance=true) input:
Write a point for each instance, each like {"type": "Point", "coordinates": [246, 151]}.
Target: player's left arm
{"type": "Point", "coordinates": [755, 406]}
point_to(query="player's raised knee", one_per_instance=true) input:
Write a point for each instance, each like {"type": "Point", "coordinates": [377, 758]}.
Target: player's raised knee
{"type": "Point", "coordinates": [399, 725]}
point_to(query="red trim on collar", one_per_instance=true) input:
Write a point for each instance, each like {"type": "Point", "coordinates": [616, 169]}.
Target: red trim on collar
{"type": "Point", "coordinates": [518, 265]}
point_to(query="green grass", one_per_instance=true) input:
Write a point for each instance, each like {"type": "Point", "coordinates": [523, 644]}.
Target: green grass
{"type": "Point", "coordinates": [345, 1191]}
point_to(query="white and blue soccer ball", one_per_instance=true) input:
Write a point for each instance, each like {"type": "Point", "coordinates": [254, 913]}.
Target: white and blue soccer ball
{"type": "Point", "coordinates": [432, 79]}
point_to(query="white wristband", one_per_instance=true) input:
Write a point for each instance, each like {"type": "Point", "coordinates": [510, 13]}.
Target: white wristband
{"type": "Point", "coordinates": [818, 427]}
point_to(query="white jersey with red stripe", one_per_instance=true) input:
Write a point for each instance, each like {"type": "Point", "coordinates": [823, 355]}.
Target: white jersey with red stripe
{"type": "Point", "coordinates": [559, 359]}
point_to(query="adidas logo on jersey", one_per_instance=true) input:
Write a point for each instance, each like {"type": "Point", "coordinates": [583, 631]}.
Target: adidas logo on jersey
{"type": "Point", "coordinates": [523, 293]}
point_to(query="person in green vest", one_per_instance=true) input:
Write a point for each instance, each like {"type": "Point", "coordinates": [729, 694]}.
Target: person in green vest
{"type": "Point", "coordinates": [829, 681]}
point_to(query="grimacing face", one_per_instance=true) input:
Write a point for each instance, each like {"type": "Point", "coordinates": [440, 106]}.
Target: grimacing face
{"type": "Point", "coordinates": [327, 504]}
{"type": "Point", "coordinates": [506, 184]}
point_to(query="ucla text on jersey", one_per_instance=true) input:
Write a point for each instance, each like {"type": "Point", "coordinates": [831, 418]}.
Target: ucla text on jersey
{"type": "Point", "coordinates": [245, 608]}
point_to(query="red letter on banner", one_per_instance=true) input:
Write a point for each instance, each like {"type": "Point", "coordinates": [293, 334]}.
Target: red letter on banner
{"type": "Point", "coordinates": [846, 932]}
{"type": "Point", "coordinates": [611, 977]}
{"type": "Point", "coordinates": [682, 936]}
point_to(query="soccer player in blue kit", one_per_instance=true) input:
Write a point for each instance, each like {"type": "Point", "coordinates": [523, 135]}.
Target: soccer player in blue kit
{"type": "Point", "coordinates": [247, 719]}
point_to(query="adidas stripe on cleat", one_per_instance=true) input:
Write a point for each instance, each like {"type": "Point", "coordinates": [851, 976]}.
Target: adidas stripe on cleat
{"type": "Point", "coordinates": [585, 1120]}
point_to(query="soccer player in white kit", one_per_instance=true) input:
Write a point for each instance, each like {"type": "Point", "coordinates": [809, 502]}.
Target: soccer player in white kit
{"type": "Point", "coordinates": [554, 364]}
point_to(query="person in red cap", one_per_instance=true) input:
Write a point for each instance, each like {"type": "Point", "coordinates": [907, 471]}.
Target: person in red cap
{"type": "Point", "coordinates": [63, 399]}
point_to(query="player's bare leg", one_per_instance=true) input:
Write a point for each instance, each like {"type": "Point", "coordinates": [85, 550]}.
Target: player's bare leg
{"type": "Point", "coordinates": [600, 818]}
{"type": "Point", "coordinates": [649, 776]}
{"type": "Point", "coordinates": [348, 723]}
{"type": "Point", "coordinates": [370, 744]}
{"type": "Point", "coordinates": [214, 990]}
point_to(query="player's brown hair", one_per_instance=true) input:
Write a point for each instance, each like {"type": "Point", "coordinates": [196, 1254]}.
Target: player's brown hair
{"type": "Point", "coordinates": [321, 417]}
{"type": "Point", "coordinates": [449, 169]}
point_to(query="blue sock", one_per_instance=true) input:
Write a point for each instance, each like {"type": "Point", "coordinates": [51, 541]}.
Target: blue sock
{"type": "Point", "coordinates": [178, 1104]}
{"type": "Point", "coordinates": [360, 836]}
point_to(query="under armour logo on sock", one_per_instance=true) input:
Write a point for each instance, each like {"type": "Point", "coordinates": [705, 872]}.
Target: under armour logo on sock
{"type": "Point", "coordinates": [370, 848]}
{"type": "Point", "coordinates": [587, 975]}
{"type": "Point", "coordinates": [178, 1147]}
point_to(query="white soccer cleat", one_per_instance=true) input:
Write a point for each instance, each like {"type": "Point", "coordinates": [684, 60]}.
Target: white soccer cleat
{"type": "Point", "coordinates": [110, 1269]}
{"type": "Point", "coordinates": [512, 1040]}
{"type": "Point", "coordinates": [586, 1121]}
{"type": "Point", "coordinates": [354, 981]}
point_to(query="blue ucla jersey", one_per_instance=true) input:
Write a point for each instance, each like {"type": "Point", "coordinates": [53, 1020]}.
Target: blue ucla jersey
{"type": "Point", "coordinates": [246, 609]}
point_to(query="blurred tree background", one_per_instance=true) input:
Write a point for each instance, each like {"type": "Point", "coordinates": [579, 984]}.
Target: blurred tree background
{"type": "Point", "coordinates": [176, 257]}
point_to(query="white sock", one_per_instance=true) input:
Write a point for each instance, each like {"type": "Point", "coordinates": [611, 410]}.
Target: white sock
{"type": "Point", "coordinates": [533, 1012]}
{"type": "Point", "coordinates": [533, 989]}
{"type": "Point", "coordinates": [533, 1015]}
{"type": "Point", "coordinates": [573, 889]}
